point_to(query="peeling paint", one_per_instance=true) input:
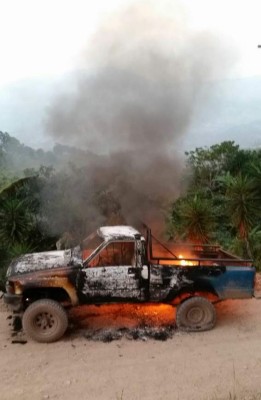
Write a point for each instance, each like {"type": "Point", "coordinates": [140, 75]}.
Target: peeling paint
{"type": "Point", "coordinates": [115, 232]}
{"type": "Point", "coordinates": [39, 261]}
{"type": "Point", "coordinates": [113, 281]}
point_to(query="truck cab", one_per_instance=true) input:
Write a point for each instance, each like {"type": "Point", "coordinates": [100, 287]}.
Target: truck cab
{"type": "Point", "coordinates": [116, 269]}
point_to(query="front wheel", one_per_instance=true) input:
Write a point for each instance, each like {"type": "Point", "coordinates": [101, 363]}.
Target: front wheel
{"type": "Point", "coordinates": [195, 315]}
{"type": "Point", "coordinates": [45, 321]}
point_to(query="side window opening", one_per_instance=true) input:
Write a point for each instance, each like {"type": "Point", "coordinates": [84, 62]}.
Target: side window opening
{"type": "Point", "coordinates": [115, 254]}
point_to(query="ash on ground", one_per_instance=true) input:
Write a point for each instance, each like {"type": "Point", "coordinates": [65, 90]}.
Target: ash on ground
{"type": "Point", "coordinates": [17, 333]}
{"type": "Point", "coordinates": [143, 333]}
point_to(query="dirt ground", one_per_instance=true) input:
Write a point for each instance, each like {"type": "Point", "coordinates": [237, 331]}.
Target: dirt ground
{"type": "Point", "coordinates": [224, 363]}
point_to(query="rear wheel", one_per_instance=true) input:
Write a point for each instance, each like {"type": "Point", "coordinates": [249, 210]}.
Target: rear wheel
{"type": "Point", "coordinates": [45, 321]}
{"type": "Point", "coordinates": [196, 314]}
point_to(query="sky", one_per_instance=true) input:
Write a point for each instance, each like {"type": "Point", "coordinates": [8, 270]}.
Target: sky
{"type": "Point", "coordinates": [43, 40]}
{"type": "Point", "coordinates": [46, 37]}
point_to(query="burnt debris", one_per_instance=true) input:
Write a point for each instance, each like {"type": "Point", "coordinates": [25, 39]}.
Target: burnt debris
{"type": "Point", "coordinates": [142, 333]}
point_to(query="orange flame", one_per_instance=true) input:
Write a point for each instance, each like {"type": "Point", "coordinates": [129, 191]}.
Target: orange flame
{"type": "Point", "coordinates": [185, 262]}
{"type": "Point", "coordinates": [122, 315]}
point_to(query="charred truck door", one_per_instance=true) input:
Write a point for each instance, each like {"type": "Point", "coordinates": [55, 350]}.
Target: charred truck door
{"type": "Point", "coordinates": [114, 273]}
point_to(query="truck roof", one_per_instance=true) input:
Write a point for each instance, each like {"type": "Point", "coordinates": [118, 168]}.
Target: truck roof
{"type": "Point", "coordinates": [117, 232]}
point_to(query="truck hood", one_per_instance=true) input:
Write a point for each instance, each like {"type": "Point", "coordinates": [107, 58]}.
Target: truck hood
{"type": "Point", "coordinates": [39, 261]}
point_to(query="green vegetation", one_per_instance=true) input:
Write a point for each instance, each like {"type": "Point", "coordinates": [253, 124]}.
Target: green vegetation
{"type": "Point", "coordinates": [221, 200]}
{"type": "Point", "coordinates": [46, 195]}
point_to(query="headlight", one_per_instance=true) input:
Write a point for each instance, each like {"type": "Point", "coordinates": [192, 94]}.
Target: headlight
{"type": "Point", "coordinates": [9, 287]}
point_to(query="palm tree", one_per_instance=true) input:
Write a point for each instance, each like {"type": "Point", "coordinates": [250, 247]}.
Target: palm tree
{"type": "Point", "coordinates": [193, 219]}
{"type": "Point", "coordinates": [243, 205]}
{"type": "Point", "coordinates": [15, 221]}
{"type": "Point", "coordinates": [256, 173]}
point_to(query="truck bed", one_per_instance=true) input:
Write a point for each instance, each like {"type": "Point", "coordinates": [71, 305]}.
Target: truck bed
{"type": "Point", "coordinates": [183, 254]}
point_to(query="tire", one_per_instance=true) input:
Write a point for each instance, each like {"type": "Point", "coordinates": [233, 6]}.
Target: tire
{"type": "Point", "coordinates": [45, 321]}
{"type": "Point", "coordinates": [196, 315]}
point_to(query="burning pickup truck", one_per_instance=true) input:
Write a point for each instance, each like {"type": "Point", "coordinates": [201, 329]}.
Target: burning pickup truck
{"type": "Point", "coordinates": [120, 264]}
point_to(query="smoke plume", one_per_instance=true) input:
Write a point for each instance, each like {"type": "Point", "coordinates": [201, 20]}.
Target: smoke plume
{"type": "Point", "coordinates": [132, 104]}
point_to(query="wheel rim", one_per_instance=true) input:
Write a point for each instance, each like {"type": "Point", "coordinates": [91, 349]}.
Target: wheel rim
{"type": "Point", "coordinates": [45, 323]}
{"type": "Point", "coordinates": [195, 316]}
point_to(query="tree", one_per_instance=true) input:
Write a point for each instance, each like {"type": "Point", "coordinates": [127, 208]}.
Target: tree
{"type": "Point", "coordinates": [222, 199]}
{"type": "Point", "coordinates": [243, 205]}
{"type": "Point", "coordinates": [204, 165]}
{"type": "Point", "coordinates": [15, 222]}
{"type": "Point", "coordinates": [193, 219]}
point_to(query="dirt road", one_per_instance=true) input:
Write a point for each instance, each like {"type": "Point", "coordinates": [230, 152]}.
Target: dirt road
{"type": "Point", "coordinates": [211, 365]}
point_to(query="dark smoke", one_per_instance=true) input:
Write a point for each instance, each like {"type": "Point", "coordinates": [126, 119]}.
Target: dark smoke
{"type": "Point", "coordinates": [133, 103]}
